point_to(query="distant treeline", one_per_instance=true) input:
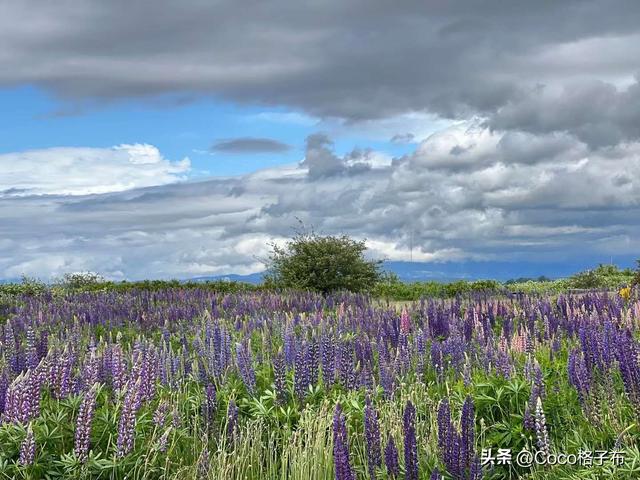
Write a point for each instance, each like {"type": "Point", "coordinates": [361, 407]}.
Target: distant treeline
{"type": "Point", "coordinates": [29, 286]}
{"type": "Point", "coordinates": [605, 277]}
{"type": "Point", "coordinates": [602, 277]}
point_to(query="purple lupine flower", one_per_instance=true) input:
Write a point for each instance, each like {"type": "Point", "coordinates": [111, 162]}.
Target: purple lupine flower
{"type": "Point", "coordinates": [4, 386]}
{"type": "Point", "coordinates": [364, 353]}
{"type": "Point", "coordinates": [578, 375]}
{"type": "Point", "coordinates": [118, 368]}
{"type": "Point", "coordinates": [301, 372]}
{"type": "Point", "coordinates": [383, 350]}
{"type": "Point", "coordinates": [528, 419]}
{"type": "Point", "coordinates": [289, 344]}
{"type": "Point", "coordinates": [232, 421]}
{"type": "Point", "coordinates": [28, 448]}
{"type": "Point", "coordinates": [22, 399]}
{"type": "Point", "coordinates": [541, 429]}
{"type": "Point", "coordinates": [529, 368]}
{"type": "Point", "coordinates": [437, 357]}
{"type": "Point", "coordinates": [503, 364]}
{"type": "Point", "coordinates": [365, 378]}
{"type": "Point", "coordinates": [245, 367]}
{"type": "Point", "coordinates": [345, 365]}
{"type": "Point", "coordinates": [10, 349]}
{"type": "Point", "coordinates": [145, 368]}
{"type": "Point", "coordinates": [163, 441]}
{"type": "Point", "coordinates": [279, 373]}
{"type": "Point", "coordinates": [435, 474]}
{"type": "Point", "coordinates": [160, 414]}
{"type": "Point", "coordinates": [60, 374]}
{"type": "Point", "coordinates": [327, 354]}
{"type": "Point", "coordinates": [475, 470]}
{"type": "Point", "coordinates": [387, 379]}
{"type": "Point", "coordinates": [312, 360]}
{"type": "Point", "coordinates": [90, 373]}
{"type": "Point", "coordinates": [537, 391]}
{"type": "Point", "coordinates": [210, 404]}
{"type": "Point", "coordinates": [410, 445]}
{"type": "Point", "coordinates": [83, 424]}
{"type": "Point", "coordinates": [31, 349]}
{"type": "Point", "coordinates": [372, 438]}
{"type": "Point", "coordinates": [176, 418]}
{"type": "Point", "coordinates": [341, 462]}
{"type": "Point", "coordinates": [444, 425]}
{"type": "Point", "coordinates": [225, 352]}
{"type": "Point", "coordinates": [127, 424]}
{"type": "Point", "coordinates": [628, 363]}
{"type": "Point", "coordinates": [467, 433]}
{"type": "Point", "coordinates": [456, 448]}
{"type": "Point", "coordinates": [391, 458]}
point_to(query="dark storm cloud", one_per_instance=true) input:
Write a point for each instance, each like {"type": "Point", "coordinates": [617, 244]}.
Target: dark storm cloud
{"type": "Point", "coordinates": [595, 112]}
{"type": "Point", "coordinates": [249, 145]}
{"type": "Point", "coordinates": [356, 60]}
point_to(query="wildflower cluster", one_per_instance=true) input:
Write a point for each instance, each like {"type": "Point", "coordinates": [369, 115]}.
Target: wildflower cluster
{"type": "Point", "coordinates": [264, 385]}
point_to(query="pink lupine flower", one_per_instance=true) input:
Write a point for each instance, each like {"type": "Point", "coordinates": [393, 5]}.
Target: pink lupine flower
{"type": "Point", "coordinates": [405, 321]}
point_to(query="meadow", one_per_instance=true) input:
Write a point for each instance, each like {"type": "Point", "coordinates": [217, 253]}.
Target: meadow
{"type": "Point", "coordinates": [193, 383]}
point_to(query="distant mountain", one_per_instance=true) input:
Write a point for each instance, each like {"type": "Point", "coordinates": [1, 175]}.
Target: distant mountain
{"type": "Point", "coordinates": [254, 278]}
{"type": "Point", "coordinates": [452, 271]}
{"type": "Point", "coordinates": [501, 271]}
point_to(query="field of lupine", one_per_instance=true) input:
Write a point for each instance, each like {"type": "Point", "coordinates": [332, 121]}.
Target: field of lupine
{"type": "Point", "coordinates": [193, 384]}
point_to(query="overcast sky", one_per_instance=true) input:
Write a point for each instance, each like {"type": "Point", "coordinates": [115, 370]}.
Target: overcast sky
{"type": "Point", "coordinates": [176, 139]}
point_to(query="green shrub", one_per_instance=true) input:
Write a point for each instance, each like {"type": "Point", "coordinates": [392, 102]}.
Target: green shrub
{"type": "Point", "coordinates": [603, 276]}
{"type": "Point", "coordinates": [323, 264]}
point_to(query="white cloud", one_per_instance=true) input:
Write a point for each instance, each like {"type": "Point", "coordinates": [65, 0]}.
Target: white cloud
{"type": "Point", "coordinates": [291, 118]}
{"type": "Point", "coordinates": [518, 196]}
{"type": "Point", "coordinates": [84, 171]}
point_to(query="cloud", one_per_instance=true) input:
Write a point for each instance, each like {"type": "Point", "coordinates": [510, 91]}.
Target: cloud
{"type": "Point", "coordinates": [596, 112]}
{"type": "Point", "coordinates": [526, 131]}
{"type": "Point", "coordinates": [402, 138]}
{"type": "Point", "coordinates": [83, 171]}
{"type": "Point", "coordinates": [321, 161]}
{"type": "Point", "coordinates": [293, 118]}
{"type": "Point", "coordinates": [248, 145]}
{"type": "Point", "coordinates": [522, 197]}
{"type": "Point", "coordinates": [357, 60]}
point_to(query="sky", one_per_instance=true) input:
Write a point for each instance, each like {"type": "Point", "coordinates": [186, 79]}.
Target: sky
{"type": "Point", "coordinates": [160, 139]}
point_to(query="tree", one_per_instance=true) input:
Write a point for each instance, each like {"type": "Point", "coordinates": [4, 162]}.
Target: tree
{"type": "Point", "coordinates": [81, 281]}
{"type": "Point", "coordinates": [322, 263]}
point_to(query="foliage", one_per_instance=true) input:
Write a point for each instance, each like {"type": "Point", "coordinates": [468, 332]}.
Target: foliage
{"type": "Point", "coordinates": [180, 359]}
{"type": "Point", "coordinates": [540, 279]}
{"type": "Point", "coordinates": [80, 281]}
{"type": "Point", "coordinates": [34, 287]}
{"type": "Point", "coordinates": [322, 264]}
{"type": "Point", "coordinates": [603, 276]}
{"type": "Point", "coordinates": [397, 290]}
{"type": "Point", "coordinates": [27, 286]}
{"type": "Point", "coordinates": [388, 285]}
